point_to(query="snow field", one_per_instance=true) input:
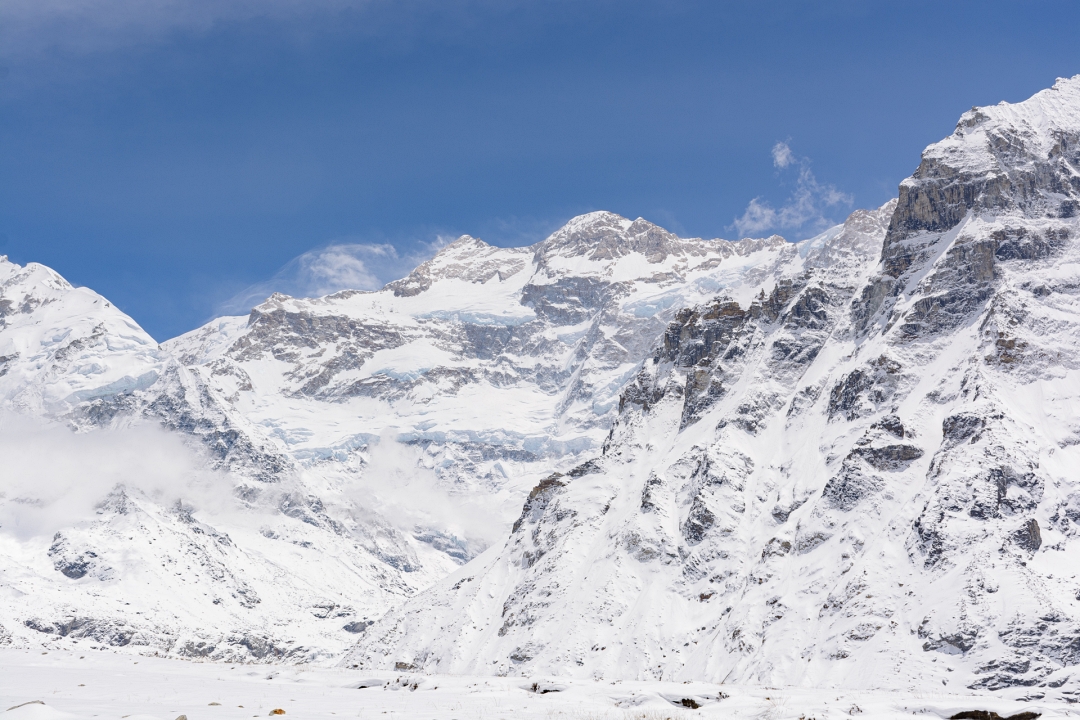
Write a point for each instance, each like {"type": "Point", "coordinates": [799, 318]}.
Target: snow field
{"type": "Point", "coordinates": [72, 686]}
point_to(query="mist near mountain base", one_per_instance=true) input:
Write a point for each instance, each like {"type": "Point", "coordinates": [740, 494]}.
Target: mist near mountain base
{"type": "Point", "coordinates": [395, 484]}
{"type": "Point", "coordinates": [52, 478]}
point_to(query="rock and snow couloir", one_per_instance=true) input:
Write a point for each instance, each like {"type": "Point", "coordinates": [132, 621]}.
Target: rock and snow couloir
{"type": "Point", "coordinates": [864, 477]}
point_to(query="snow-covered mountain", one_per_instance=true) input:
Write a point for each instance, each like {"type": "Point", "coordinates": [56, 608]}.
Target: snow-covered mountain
{"type": "Point", "coordinates": [265, 487]}
{"type": "Point", "coordinates": [62, 346]}
{"type": "Point", "coordinates": [99, 536]}
{"type": "Point", "coordinates": [614, 454]}
{"type": "Point", "coordinates": [498, 362]}
{"type": "Point", "coordinates": [865, 476]}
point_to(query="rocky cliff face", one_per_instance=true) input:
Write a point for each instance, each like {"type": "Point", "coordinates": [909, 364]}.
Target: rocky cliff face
{"type": "Point", "coordinates": [861, 476]}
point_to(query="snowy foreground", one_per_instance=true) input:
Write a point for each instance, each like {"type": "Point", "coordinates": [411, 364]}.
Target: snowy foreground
{"type": "Point", "coordinates": [95, 684]}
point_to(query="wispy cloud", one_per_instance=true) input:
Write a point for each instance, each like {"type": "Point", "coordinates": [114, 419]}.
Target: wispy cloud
{"type": "Point", "coordinates": [33, 27]}
{"type": "Point", "coordinates": [53, 477]}
{"type": "Point", "coordinates": [397, 485]}
{"type": "Point", "coordinates": [335, 267]}
{"type": "Point", "coordinates": [782, 155]}
{"type": "Point", "coordinates": [806, 210]}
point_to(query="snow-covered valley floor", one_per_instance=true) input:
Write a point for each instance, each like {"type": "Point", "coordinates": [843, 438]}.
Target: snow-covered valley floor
{"type": "Point", "coordinates": [106, 685]}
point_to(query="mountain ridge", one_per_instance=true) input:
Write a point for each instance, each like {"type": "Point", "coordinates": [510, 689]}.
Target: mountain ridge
{"type": "Point", "coordinates": [330, 427]}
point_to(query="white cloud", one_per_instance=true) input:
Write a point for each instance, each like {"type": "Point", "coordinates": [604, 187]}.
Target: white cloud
{"type": "Point", "coordinates": [395, 484]}
{"type": "Point", "coordinates": [343, 266]}
{"type": "Point", "coordinates": [782, 155]}
{"type": "Point", "coordinates": [52, 478]}
{"type": "Point", "coordinates": [805, 211]}
{"type": "Point", "coordinates": [338, 266]}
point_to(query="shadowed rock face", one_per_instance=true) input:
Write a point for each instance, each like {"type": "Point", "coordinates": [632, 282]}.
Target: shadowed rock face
{"type": "Point", "coordinates": [999, 162]}
{"type": "Point", "coordinates": [867, 459]}
{"type": "Point", "coordinates": [1029, 536]}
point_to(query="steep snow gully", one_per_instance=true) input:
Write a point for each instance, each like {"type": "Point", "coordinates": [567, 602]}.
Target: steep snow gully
{"type": "Point", "coordinates": [615, 454]}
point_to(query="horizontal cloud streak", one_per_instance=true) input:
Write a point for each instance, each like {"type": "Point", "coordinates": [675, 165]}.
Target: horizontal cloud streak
{"type": "Point", "coordinates": [32, 27]}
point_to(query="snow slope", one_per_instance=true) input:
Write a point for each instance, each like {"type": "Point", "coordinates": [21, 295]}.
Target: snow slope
{"type": "Point", "coordinates": [68, 683]}
{"type": "Point", "coordinates": [61, 346]}
{"type": "Point", "coordinates": [865, 477]}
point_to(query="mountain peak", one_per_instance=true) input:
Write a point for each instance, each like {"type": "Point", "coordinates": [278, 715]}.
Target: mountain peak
{"type": "Point", "coordinates": [1006, 160]}
{"type": "Point", "coordinates": [608, 236]}
{"type": "Point", "coordinates": [598, 219]}
{"type": "Point", "coordinates": [586, 230]}
{"type": "Point", "coordinates": [465, 242]}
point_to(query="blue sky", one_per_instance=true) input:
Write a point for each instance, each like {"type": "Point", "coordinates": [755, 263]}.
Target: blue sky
{"type": "Point", "coordinates": [183, 156]}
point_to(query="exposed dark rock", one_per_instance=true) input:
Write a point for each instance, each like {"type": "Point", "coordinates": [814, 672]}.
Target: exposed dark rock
{"type": "Point", "coordinates": [569, 300]}
{"type": "Point", "coordinates": [889, 457]}
{"type": "Point", "coordinates": [111, 632]}
{"type": "Point", "coordinates": [956, 642]}
{"type": "Point", "coordinates": [75, 564]}
{"type": "Point", "coordinates": [990, 715]}
{"type": "Point", "coordinates": [962, 426]}
{"type": "Point", "coordinates": [538, 499]}
{"type": "Point", "coordinates": [861, 391]}
{"type": "Point", "coordinates": [776, 547]}
{"type": "Point", "coordinates": [935, 314]}
{"type": "Point", "coordinates": [358, 626]}
{"type": "Point", "coordinates": [652, 485]}
{"type": "Point", "coordinates": [890, 424]}
{"type": "Point", "coordinates": [200, 649]}
{"type": "Point", "coordinates": [698, 522]}
{"type": "Point", "coordinates": [850, 486]}
{"type": "Point", "coordinates": [1021, 244]}
{"type": "Point", "coordinates": [1029, 537]}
